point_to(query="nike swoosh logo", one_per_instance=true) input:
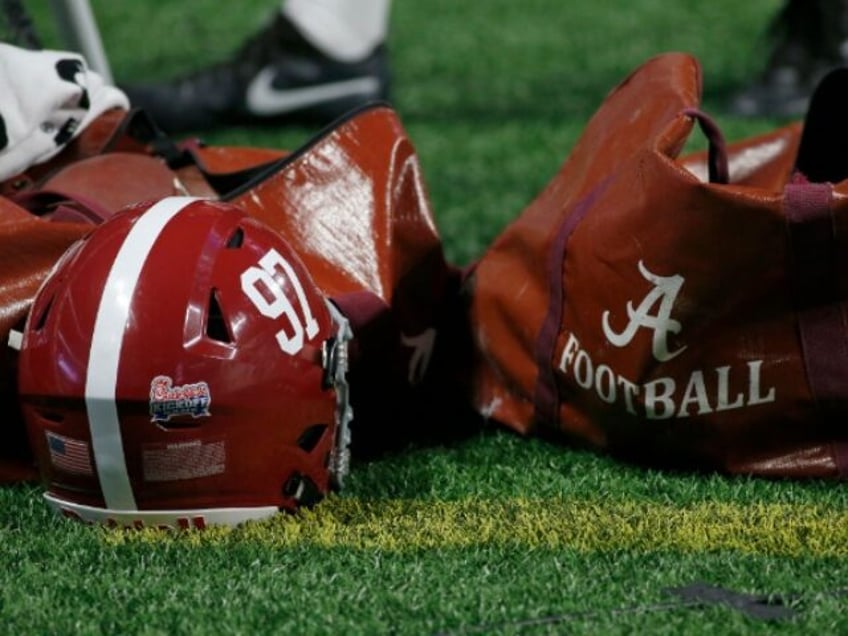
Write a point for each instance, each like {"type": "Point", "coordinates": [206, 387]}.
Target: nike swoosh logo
{"type": "Point", "coordinates": [263, 99]}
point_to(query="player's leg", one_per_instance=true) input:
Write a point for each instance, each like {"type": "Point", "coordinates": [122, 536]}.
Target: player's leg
{"type": "Point", "coordinates": [809, 38]}
{"type": "Point", "coordinates": [314, 60]}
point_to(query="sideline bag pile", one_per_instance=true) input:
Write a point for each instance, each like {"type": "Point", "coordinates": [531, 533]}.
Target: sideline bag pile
{"type": "Point", "coordinates": [682, 312]}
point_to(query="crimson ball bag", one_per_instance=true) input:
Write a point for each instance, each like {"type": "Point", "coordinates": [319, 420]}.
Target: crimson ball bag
{"type": "Point", "coordinates": [683, 312]}
{"type": "Point", "coordinates": [354, 204]}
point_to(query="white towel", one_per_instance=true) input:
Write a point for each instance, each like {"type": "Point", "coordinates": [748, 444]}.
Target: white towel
{"type": "Point", "coordinates": [47, 98]}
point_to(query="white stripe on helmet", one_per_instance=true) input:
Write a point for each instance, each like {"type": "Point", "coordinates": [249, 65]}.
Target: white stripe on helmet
{"type": "Point", "coordinates": [105, 354]}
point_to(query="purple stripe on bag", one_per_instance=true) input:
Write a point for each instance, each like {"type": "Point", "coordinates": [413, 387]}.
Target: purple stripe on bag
{"type": "Point", "coordinates": [825, 349]}
{"type": "Point", "coordinates": [546, 395]}
{"type": "Point", "coordinates": [812, 242]}
{"type": "Point", "coordinates": [822, 318]}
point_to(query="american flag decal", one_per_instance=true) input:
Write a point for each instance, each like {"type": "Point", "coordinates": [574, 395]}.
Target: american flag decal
{"type": "Point", "coordinates": [69, 455]}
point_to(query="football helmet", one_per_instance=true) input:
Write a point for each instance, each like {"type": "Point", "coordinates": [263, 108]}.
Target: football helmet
{"type": "Point", "coordinates": [180, 368]}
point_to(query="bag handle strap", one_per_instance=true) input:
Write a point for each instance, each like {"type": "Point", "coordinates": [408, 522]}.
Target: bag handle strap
{"type": "Point", "coordinates": [717, 153]}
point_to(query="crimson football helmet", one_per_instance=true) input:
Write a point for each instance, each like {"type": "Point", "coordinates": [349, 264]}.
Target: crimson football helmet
{"type": "Point", "coordinates": [180, 368]}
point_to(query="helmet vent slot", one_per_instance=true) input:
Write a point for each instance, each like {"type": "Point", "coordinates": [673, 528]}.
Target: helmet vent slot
{"type": "Point", "coordinates": [236, 239]}
{"type": "Point", "coordinates": [303, 490]}
{"type": "Point", "coordinates": [216, 325]}
{"type": "Point", "coordinates": [309, 439]}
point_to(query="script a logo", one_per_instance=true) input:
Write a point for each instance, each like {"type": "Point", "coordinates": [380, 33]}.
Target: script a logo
{"type": "Point", "coordinates": [665, 293]}
{"type": "Point", "coordinates": [702, 391]}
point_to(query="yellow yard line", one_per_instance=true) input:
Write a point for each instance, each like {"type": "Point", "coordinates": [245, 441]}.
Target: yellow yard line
{"type": "Point", "coordinates": [584, 525]}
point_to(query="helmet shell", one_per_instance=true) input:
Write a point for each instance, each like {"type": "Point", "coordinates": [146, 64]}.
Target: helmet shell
{"type": "Point", "coordinates": [172, 368]}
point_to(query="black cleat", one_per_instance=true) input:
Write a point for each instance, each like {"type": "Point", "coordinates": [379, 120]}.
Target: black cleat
{"type": "Point", "coordinates": [782, 92]}
{"type": "Point", "coordinates": [809, 40]}
{"type": "Point", "coordinates": [276, 76]}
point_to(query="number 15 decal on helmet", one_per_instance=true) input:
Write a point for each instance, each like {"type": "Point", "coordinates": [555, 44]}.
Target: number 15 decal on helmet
{"type": "Point", "coordinates": [180, 368]}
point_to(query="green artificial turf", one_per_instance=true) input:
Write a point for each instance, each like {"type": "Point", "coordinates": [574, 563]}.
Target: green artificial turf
{"type": "Point", "coordinates": [497, 532]}
{"type": "Point", "coordinates": [494, 534]}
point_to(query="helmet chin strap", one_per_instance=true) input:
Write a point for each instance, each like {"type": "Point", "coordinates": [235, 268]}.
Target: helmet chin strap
{"type": "Point", "coordinates": [335, 363]}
